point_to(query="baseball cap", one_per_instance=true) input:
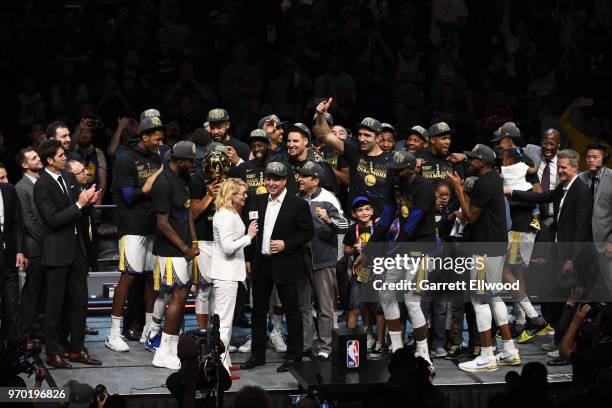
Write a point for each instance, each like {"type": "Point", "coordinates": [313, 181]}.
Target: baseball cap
{"type": "Point", "coordinates": [400, 159]}
{"type": "Point", "coordinates": [301, 128]}
{"type": "Point", "coordinates": [277, 169]}
{"type": "Point", "coordinates": [388, 127]}
{"type": "Point", "coordinates": [259, 134]}
{"type": "Point", "coordinates": [149, 124]}
{"type": "Point", "coordinates": [439, 129]}
{"type": "Point", "coordinates": [507, 130]}
{"type": "Point", "coordinates": [217, 115]}
{"type": "Point", "coordinates": [218, 147]}
{"type": "Point", "coordinates": [371, 124]}
{"type": "Point", "coordinates": [150, 113]}
{"type": "Point", "coordinates": [267, 118]}
{"type": "Point", "coordinates": [328, 118]}
{"type": "Point", "coordinates": [311, 169]}
{"type": "Point", "coordinates": [420, 132]}
{"type": "Point", "coordinates": [482, 152]}
{"type": "Point", "coordinates": [183, 150]}
{"type": "Point", "coordinates": [359, 200]}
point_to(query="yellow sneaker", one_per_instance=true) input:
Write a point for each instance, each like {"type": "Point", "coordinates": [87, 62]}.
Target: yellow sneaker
{"type": "Point", "coordinates": [525, 337]}
{"type": "Point", "coordinates": [548, 330]}
{"type": "Point", "coordinates": [535, 224]}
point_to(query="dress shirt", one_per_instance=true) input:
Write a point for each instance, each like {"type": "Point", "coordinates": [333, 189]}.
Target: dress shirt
{"type": "Point", "coordinates": [552, 164]}
{"type": "Point", "coordinates": [32, 179]}
{"type": "Point", "coordinates": [272, 210]}
{"type": "Point", "coordinates": [566, 188]}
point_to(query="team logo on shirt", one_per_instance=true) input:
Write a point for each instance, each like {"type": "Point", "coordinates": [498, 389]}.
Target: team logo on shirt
{"type": "Point", "coordinates": [404, 211]}
{"type": "Point", "coordinates": [187, 204]}
{"type": "Point", "coordinates": [369, 180]}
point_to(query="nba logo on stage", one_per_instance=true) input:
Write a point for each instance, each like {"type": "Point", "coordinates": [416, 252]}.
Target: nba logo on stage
{"type": "Point", "coordinates": [352, 353]}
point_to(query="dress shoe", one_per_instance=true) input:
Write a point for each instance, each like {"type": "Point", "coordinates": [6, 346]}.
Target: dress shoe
{"type": "Point", "coordinates": [252, 363]}
{"type": "Point", "coordinates": [58, 362]}
{"type": "Point", "coordinates": [63, 352]}
{"type": "Point", "coordinates": [557, 362]}
{"type": "Point", "coordinates": [283, 368]}
{"type": "Point", "coordinates": [84, 358]}
{"type": "Point", "coordinates": [234, 377]}
{"type": "Point", "coordinates": [235, 367]}
{"type": "Point", "coordinates": [91, 332]}
{"type": "Point", "coordinates": [132, 334]}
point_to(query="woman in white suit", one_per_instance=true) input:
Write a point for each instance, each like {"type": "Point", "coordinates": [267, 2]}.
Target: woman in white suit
{"type": "Point", "coordinates": [228, 265]}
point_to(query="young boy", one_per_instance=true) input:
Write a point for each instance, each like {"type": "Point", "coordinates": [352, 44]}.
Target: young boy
{"type": "Point", "coordinates": [387, 141]}
{"type": "Point", "coordinates": [356, 237]}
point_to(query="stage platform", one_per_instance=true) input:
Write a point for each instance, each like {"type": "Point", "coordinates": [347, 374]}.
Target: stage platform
{"type": "Point", "coordinates": [132, 374]}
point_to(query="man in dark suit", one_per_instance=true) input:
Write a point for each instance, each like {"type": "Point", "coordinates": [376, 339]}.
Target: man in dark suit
{"type": "Point", "coordinates": [286, 226]}
{"type": "Point", "coordinates": [60, 201]}
{"type": "Point", "coordinates": [12, 246]}
{"type": "Point", "coordinates": [573, 209]}
{"type": "Point", "coordinates": [32, 293]}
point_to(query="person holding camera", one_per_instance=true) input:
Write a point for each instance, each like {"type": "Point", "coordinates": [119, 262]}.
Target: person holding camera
{"type": "Point", "coordinates": [228, 265]}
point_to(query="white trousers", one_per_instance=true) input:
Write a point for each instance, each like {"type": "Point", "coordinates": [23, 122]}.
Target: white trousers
{"type": "Point", "coordinates": [223, 302]}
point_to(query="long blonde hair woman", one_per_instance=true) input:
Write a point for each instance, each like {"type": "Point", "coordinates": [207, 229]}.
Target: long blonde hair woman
{"type": "Point", "coordinates": [228, 267]}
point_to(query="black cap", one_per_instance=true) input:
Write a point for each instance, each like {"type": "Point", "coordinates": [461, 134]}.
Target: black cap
{"type": "Point", "coordinates": [277, 169]}
{"type": "Point", "coordinates": [507, 130]}
{"type": "Point", "coordinates": [183, 150]}
{"type": "Point", "coordinates": [371, 124]}
{"type": "Point", "coordinates": [218, 147]}
{"type": "Point", "coordinates": [259, 135]}
{"type": "Point", "coordinates": [149, 124]}
{"type": "Point", "coordinates": [301, 128]}
{"type": "Point", "coordinates": [420, 132]}
{"type": "Point", "coordinates": [311, 169]}
{"type": "Point", "coordinates": [482, 152]}
{"type": "Point", "coordinates": [217, 115]}
{"type": "Point", "coordinates": [439, 129]}
{"type": "Point", "coordinates": [400, 159]}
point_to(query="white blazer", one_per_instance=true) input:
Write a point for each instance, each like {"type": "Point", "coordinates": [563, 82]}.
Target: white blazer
{"type": "Point", "coordinates": [229, 240]}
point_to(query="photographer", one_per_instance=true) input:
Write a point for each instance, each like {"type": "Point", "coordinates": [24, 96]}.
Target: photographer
{"type": "Point", "coordinates": [591, 329]}
{"type": "Point", "coordinates": [192, 377]}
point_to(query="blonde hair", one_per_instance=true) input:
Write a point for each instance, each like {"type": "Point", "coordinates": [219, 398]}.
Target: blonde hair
{"type": "Point", "coordinates": [226, 190]}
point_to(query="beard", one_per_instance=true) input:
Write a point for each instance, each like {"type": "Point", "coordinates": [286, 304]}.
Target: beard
{"type": "Point", "coordinates": [184, 173]}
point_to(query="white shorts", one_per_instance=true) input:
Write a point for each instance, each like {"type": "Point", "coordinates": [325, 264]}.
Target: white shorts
{"type": "Point", "coordinates": [203, 263]}
{"type": "Point", "coordinates": [171, 272]}
{"type": "Point", "coordinates": [136, 254]}
{"type": "Point", "coordinates": [520, 247]}
{"type": "Point", "coordinates": [491, 272]}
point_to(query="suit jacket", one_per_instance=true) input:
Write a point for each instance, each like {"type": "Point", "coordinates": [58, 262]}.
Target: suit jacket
{"type": "Point", "coordinates": [12, 236]}
{"type": "Point", "coordinates": [61, 217]}
{"type": "Point", "coordinates": [602, 208]}
{"type": "Point", "coordinates": [294, 226]}
{"type": "Point", "coordinates": [32, 223]}
{"type": "Point", "coordinates": [574, 220]}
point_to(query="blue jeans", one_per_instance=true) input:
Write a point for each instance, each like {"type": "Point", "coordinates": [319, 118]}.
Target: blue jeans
{"type": "Point", "coordinates": [435, 313]}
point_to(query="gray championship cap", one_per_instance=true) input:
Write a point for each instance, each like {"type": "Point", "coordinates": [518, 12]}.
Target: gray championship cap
{"type": "Point", "coordinates": [400, 159]}
{"type": "Point", "coordinates": [311, 169]}
{"type": "Point", "coordinates": [150, 124]}
{"type": "Point", "coordinates": [217, 115]}
{"type": "Point", "coordinates": [371, 124]}
{"type": "Point", "coordinates": [482, 152]}
{"type": "Point", "coordinates": [259, 135]}
{"type": "Point", "coordinates": [439, 129]}
{"type": "Point", "coordinates": [218, 147]}
{"type": "Point", "coordinates": [388, 127]}
{"type": "Point", "coordinates": [183, 150]}
{"type": "Point", "coordinates": [328, 118]}
{"type": "Point", "coordinates": [301, 128]}
{"type": "Point", "coordinates": [277, 169]}
{"type": "Point", "coordinates": [150, 113]}
{"type": "Point", "coordinates": [507, 130]}
{"type": "Point", "coordinates": [420, 132]}
{"type": "Point", "coordinates": [268, 118]}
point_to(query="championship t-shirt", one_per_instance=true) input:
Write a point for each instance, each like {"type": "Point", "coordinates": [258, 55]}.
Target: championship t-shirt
{"type": "Point", "coordinates": [131, 170]}
{"type": "Point", "coordinates": [434, 167]}
{"type": "Point", "coordinates": [198, 188]}
{"type": "Point", "coordinates": [328, 180]}
{"type": "Point", "coordinates": [417, 195]}
{"type": "Point", "coordinates": [368, 176]}
{"type": "Point", "coordinates": [171, 195]}
{"type": "Point", "coordinates": [357, 233]}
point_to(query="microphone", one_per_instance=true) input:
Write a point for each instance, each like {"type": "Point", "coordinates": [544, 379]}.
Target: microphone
{"type": "Point", "coordinates": [253, 215]}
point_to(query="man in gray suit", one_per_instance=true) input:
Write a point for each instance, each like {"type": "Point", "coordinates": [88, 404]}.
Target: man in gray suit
{"type": "Point", "coordinates": [599, 179]}
{"type": "Point", "coordinates": [32, 294]}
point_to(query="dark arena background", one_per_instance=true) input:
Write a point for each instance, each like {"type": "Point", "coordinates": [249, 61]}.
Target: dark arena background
{"type": "Point", "coordinates": [529, 79]}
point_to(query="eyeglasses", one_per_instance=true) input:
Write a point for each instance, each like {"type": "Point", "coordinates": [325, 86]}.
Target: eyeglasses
{"type": "Point", "coordinates": [80, 172]}
{"type": "Point", "coordinates": [244, 194]}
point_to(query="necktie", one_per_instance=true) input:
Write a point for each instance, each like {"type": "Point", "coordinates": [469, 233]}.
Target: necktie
{"type": "Point", "coordinates": [61, 182]}
{"type": "Point", "coordinates": [545, 187]}
{"type": "Point", "coordinates": [593, 186]}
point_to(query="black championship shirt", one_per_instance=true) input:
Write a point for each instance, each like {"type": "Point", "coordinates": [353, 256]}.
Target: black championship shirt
{"type": "Point", "coordinates": [435, 167]}
{"type": "Point", "coordinates": [328, 181]}
{"type": "Point", "coordinates": [171, 195]}
{"type": "Point", "coordinates": [488, 196]}
{"type": "Point", "coordinates": [132, 169]}
{"type": "Point", "coordinates": [418, 195]}
{"type": "Point", "coordinates": [368, 176]}
{"type": "Point", "coordinates": [198, 187]}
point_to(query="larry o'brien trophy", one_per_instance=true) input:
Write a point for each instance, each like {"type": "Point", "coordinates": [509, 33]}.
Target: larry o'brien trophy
{"type": "Point", "coordinates": [216, 164]}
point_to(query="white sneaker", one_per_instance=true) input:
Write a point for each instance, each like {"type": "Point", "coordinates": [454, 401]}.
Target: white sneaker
{"type": "Point", "coordinates": [246, 347]}
{"type": "Point", "coordinates": [480, 363]}
{"type": "Point", "coordinates": [232, 349]}
{"type": "Point", "coordinates": [440, 352]}
{"type": "Point", "coordinates": [116, 343]}
{"type": "Point", "coordinates": [553, 354]}
{"type": "Point", "coordinates": [276, 338]}
{"type": "Point", "coordinates": [145, 333]}
{"type": "Point", "coordinates": [508, 358]}
{"type": "Point", "coordinates": [164, 356]}
{"type": "Point", "coordinates": [371, 342]}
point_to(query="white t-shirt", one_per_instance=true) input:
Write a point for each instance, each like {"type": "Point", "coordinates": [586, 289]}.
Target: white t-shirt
{"type": "Point", "coordinates": [514, 176]}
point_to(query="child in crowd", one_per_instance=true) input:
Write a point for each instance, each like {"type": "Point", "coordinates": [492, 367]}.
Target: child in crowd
{"type": "Point", "coordinates": [514, 172]}
{"type": "Point", "coordinates": [388, 139]}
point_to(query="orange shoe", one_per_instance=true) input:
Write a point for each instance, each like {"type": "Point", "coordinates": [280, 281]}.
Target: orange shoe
{"type": "Point", "coordinates": [234, 377]}
{"type": "Point", "coordinates": [235, 367]}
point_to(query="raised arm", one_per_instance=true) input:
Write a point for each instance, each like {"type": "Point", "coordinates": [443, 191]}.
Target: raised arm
{"type": "Point", "coordinates": [323, 131]}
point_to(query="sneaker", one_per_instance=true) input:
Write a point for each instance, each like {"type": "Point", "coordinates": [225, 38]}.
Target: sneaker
{"type": "Point", "coordinates": [145, 334]}
{"type": "Point", "coordinates": [116, 343]}
{"type": "Point", "coordinates": [479, 364]}
{"type": "Point", "coordinates": [432, 369]}
{"type": "Point", "coordinates": [454, 351]}
{"type": "Point", "coordinates": [323, 357]}
{"type": "Point", "coordinates": [534, 326]}
{"type": "Point", "coordinates": [377, 351]}
{"type": "Point", "coordinates": [535, 224]}
{"type": "Point", "coordinates": [152, 343]}
{"type": "Point", "coordinates": [440, 352]}
{"type": "Point", "coordinates": [546, 331]}
{"type": "Point", "coordinates": [278, 343]}
{"type": "Point", "coordinates": [516, 329]}
{"type": "Point", "coordinates": [508, 358]}
{"type": "Point", "coordinates": [371, 341]}
{"type": "Point", "coordinates": [246, 347]}
{"type": "Point", "coordinates": [232, 349]}
{"type": "Point", "coordinates": [165, 359]}
{"type": "Point", "coordinates": [549, 346]}
{"type": "Point", "coordinates": [553, 354]}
